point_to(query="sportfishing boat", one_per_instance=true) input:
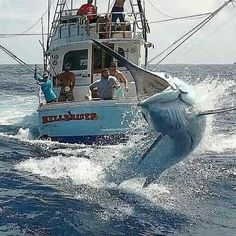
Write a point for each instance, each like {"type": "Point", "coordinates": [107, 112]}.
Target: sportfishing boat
{"type": "Point", "coordinates": [79, 39]}
{"type": "Point", "coordinates": [85, 120]}
{"type": "Point", "coordinates": [91, 42]}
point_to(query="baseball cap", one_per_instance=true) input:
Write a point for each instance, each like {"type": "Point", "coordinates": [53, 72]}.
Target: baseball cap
{"type": "Point", "coordinates": [67, 66]}
{"type": "Point", "coordinates": [45, 74]}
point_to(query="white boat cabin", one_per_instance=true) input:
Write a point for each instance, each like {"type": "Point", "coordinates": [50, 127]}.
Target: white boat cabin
{"type": "Point", "coordinates": [70, 42]}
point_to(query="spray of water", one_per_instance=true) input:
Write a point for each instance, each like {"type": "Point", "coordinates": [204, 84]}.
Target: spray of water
{"type": "Point", "coordinates": [88, 165]}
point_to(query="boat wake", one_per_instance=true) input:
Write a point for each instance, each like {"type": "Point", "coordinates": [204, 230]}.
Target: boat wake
{"type": "Point", "coordinates": [90, 165]}
{"type": "Point", "coordinates": [80, 172]}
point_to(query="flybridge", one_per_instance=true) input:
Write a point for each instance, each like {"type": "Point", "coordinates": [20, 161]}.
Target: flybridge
{"type": "Point", "coordinates": [67, 24]}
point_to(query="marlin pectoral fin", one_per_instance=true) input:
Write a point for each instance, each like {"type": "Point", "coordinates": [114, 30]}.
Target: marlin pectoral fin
{"type": "Point", "coordinates": [148, 181]}
{"type": "Point", "coordinates": [149, 149]}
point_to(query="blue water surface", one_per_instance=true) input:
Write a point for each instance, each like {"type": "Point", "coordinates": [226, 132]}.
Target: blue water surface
{"type": "Point", "coordinates": [48, 188]}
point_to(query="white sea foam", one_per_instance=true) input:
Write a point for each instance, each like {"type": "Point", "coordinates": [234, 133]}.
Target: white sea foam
{"type": "Point", "coordinates": [78, 170]}
{"type": "Point", "coordinates": [154, 193]}
{"type": "Point", "coordinates": [15, 108]}
{"type": "Point", "coordinates": [89, 164]}
{"type": "Point", "coordinates": [214, 94]}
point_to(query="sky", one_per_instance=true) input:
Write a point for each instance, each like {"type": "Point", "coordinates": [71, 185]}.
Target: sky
{"type": "Point", "coordinates": [213, 44]}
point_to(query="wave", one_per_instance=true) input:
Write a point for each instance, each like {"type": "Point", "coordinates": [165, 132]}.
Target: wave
{"type": "Point", "coordinates": [88, 165]}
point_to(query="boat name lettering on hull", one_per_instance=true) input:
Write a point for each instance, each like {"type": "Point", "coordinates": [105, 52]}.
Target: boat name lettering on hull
{"type": "Point", "coordinates": [86, 116]}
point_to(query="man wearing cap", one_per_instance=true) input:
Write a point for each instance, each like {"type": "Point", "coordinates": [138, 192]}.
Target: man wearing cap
{"type": "Point", "coordinates": [46, 86]}
{"type": "Point", "coordinates": [67, 81]}
{"type": "Point", "coordinates": [106, 85]}
{"type": "Point", "coordinates": [120, 77]}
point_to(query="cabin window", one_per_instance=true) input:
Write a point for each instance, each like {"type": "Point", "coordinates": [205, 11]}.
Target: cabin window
{"type": "Point", "coordinates": [78, 59]}
{"type": "Point", "coordinates": [101, 59]}
{"type": "Point", "coordinates": [122, 53]}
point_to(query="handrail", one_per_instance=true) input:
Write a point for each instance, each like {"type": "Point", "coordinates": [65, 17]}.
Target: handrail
{"type": "Point", "coordinates": [67, 14]}
{"type": "Point", "coordinates": [103, 25]}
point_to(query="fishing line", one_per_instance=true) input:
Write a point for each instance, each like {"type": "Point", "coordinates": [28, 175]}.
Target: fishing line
{"type": "Point", "coordinates": [159, 10]}
{"type": "Point", "coordinates": [13, 56]}
{"type": "Point", "coordinates": [13, 35]}
{"type": "Point", "coordinates": [195, 45]}
{"type": "Point", "coordinates": [188, 34]}
{"type": "Point", "coordinates": [182, 17]}
{"type": "Point", "coordinates": [32, 26]}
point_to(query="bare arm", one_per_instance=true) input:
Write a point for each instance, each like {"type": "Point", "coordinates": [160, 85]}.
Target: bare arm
{"type": "Point", "coordinates": [72, 82]}
{"type": "Point", "coordinates": [116, 83]}
{"type": "Point", "coordinates": [37, 77]}
{"type": "Point", "coordinates": [93, 85]}
{"type": "Point", "coordinates": [124, 80]}
{"type": "Point", "coordinates": [79, 11]}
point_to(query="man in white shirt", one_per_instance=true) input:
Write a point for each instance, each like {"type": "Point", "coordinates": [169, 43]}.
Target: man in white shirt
{"type": "Point", "coordinates": [106, 85]}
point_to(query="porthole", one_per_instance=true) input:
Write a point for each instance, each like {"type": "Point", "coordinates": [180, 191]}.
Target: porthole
{"type": "Point", "coordinates": [133, 50]}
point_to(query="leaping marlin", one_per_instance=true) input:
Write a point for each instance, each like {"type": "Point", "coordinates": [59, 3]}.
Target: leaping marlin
{"type": "Point", "coordinates": [167, 105]}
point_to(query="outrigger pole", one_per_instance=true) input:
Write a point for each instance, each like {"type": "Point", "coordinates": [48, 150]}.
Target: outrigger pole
{"type": "Point", "coordinates": [49, 16]}
{"type": "Point", "coordinates": [189, 34]}
{"type": "Point", "coordinates": [44, 54]}
{"type": "Point", "coordinates": [49, 61]}
{"type": "Point", "coordinates": [13, 56]}
{"type": "Point", "coordinates": [145, 29]}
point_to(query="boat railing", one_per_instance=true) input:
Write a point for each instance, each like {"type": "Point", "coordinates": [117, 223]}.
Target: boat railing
{"type": "Point", "coordinates": [94, 26]}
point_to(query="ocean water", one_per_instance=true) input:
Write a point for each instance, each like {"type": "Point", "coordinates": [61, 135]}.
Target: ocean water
{"type": "Point", "coordinates": [48, 188]}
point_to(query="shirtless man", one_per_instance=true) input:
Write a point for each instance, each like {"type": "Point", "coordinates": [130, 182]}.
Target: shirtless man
{"type": "Point", "coordinates": [118, 7]}
{"type": "Point", "coordinates": [67, 80]}
{"type": "Point", "coordinates": [119, 75]}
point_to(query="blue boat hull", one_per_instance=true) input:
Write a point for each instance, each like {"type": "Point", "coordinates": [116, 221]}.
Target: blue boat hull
{"type": "Point", "coordinates": [99, 122]}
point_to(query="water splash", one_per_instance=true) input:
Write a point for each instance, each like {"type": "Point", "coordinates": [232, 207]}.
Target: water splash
{"type": "Point", "coordinates": [88, 165]}
{"type": "Point", "coordinates": [14, 109]}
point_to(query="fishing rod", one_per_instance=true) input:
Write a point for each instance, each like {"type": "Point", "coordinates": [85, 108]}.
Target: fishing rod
{"type": "Point", "coordinates": [49, 61]}
{"type": "Point", "coordinates": [17, 59]}
{"type": "Point", "coordinates": [44, 56]}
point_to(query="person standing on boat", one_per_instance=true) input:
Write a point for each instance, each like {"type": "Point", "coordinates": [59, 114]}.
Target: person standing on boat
{"type": "Point", "coordinates": [67, 81]}
{"type": "Point", "coordinates": [106, 85]}
{"type": "Point", "coordinates": [46, 86]}
{"type": "Point", "coordinates": [117, 11]}
{"type": "Point", "coordinates": [88, 9]}
{"type": "Point", "coordinates": [121, 78]}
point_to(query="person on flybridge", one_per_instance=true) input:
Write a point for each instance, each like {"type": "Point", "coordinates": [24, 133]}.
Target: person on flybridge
{"type": "Point", "coordinates": [67, 82]}
{"type": "Point", "coordinates": [117, 11]}
{"type": "Point", "coordinates": [88, 9]}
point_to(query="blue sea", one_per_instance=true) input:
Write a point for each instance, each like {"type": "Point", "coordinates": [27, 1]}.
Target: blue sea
{"type": "Point", "coordinates": [52, 189]}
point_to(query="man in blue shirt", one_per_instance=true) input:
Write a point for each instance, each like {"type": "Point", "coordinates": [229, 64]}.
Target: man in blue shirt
{"type": "Point", "coordinates": [46, 86]}
{"type": "Point", "coordinates": [106, 85]}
